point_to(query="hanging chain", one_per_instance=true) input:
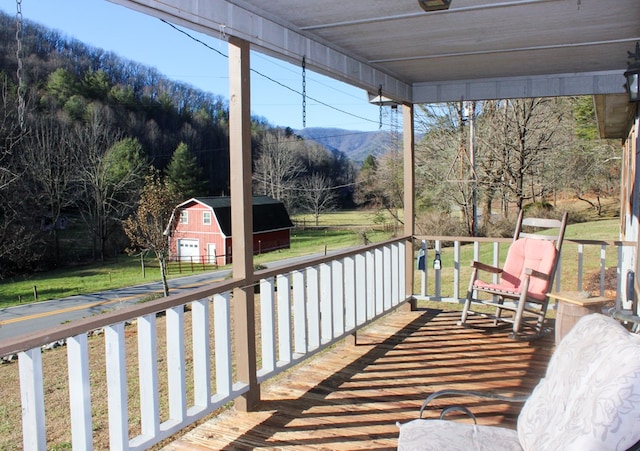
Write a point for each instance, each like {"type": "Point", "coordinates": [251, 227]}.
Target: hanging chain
{"type": "Point", "coordinates": [21, 87]}
{"type": "Point", "coordinates": [380, 105]}
{"type": "Point", "coordinates": [304, 92]}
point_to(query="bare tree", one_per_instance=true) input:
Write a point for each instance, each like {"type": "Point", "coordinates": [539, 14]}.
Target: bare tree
{"type": "Point", "coordinates": [146, 226]}
{"type": "Point", "coordinates": [277, 167]}
{"type": "Point", "coordinates": [531, 125]}
{"type": "Point", "coordinates": [317, 195]}
{"type": "Point", "coordinates": [110, 178]}
{"type": "Point", "coordinates": [18, 235]}
{"type": "Point", "coordinates": [47, 163]}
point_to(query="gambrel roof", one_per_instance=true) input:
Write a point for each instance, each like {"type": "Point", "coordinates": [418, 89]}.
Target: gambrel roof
{"type": "Point", "coordinates": [268, 213]}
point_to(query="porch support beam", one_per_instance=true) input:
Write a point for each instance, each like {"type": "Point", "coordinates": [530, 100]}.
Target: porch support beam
{"type": "Point", "coordinates": [409, 196]}
{"type": "Point", "coordinates": [555, 85]}
{"type": "Point", "coordinates": [242, 219]}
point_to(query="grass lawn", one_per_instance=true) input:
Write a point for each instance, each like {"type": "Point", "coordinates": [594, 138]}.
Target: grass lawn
{"type": "Point", "coordinates": [359, 227]}
{"type": "Point", "coordinates": [127, 271]}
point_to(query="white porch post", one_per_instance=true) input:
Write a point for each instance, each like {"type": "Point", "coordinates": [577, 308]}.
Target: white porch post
{"type": "Point", "coordinates": [242, 218]}
{"type": "Point", "coordinates": [409, 195]}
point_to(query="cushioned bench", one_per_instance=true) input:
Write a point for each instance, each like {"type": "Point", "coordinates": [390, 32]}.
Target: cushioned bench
{"type": "Point", "coordinates": [589, 399]}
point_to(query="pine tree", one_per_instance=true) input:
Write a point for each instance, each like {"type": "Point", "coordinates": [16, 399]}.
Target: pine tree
{"type": "Point", "coordinates": [184, 176]}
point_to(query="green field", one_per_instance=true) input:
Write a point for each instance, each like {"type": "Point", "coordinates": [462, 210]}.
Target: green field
{"type": "Point", "coordinates": [340, 230]}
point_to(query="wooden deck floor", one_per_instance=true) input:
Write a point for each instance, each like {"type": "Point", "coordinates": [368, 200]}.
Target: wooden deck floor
{"type": "Point", "coordinates": [351, 397]}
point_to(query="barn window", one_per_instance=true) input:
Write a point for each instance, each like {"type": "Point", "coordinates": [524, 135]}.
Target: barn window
{"type": "Point", "coordinates": [184, 217]}
{"type": "Point", "coordinates": [206, 218]}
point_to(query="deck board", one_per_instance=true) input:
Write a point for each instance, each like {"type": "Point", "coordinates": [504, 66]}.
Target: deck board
{"type": "Point", "coordinates": [351, 397]}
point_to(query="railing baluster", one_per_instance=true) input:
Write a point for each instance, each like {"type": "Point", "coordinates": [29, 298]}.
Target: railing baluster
{"type": "Point", "coordinates": [438, 276]}
{"type": "Point", "coordinates": [201, 352]}
{"type": "Point", "coordinates": [402, 271]}
{"type": "Point", "coordinates": [371, 284]}
{"type": "Point", "coordinates": [379, 280]}
{"type": "Point", "coordinates": [175, 363]}
{"type": "Point", "coordinates": [300, 313]}
{"type": "Point", "coordinates": [313, 307]}
{"type": "Point", "coordinates": [361, 288]}
{"type": "Point", "coordinates": [386, 270]}
{"type": "Point", "coordinates": [117, 386]}
{"type": "Point", "coordinates": [80, 395]}
{"type": "Point", "coordinates": [394, 265]}
{"type": "Point", "coordinates": [222, 336]}
{"type": "Point", "coordinates": [283, 296]}
{"type": "Point", "coordinates": [619, 278]}
{"type": "Point", "coordinates": [32, 393]}
{"type": "Point", "coordinates": [580, 265]}
{"type": "Point", "coordinates": [456, 269]}
{"type": "Point", "coordinates": [148, 375]}
{"type": "Point", "coordinates": [603, 267]}
{"type": "Point", "coordinates": [350, 293]}
{"type": "Point", "coordinates": [326, 314]}
{"type": "Point", "coordinates": [267, 325]}
{"type": "Point", "coordinates": [496, 260]}
{"type": "Point", "coordinates": [337, 297]}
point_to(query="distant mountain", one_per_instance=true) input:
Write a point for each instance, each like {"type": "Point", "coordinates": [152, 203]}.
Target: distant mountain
{"type": "Point", "coordinates": [356, 145]}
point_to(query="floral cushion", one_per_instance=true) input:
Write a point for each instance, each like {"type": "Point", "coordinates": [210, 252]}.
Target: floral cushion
{"type": "Point", "coordinates": [439, 435]}
{"type": "Point", "coordinates": [589, 398]}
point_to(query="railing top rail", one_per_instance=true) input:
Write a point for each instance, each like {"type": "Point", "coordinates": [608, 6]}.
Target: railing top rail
{"type": "Point", "coordinates": [43, 337]}
{"type": "Point", "coordinates": [470, 239]}
{"type": "Point", "coordinates": [314, 261]}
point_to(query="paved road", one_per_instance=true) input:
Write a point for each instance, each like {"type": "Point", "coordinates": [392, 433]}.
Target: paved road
{"type": "Point", "coordinates": [26, 318]}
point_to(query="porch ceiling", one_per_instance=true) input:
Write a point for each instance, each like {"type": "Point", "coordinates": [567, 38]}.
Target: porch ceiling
{"type": "Point", "coordinates": [478, 49]}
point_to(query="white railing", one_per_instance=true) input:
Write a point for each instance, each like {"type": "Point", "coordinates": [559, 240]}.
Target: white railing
{"type": "Point", "coordinates": [168, 363]}
{"type": "Point", "coordinates": [578, 259]}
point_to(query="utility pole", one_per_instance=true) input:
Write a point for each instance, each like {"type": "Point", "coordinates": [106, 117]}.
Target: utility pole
{"type": "Point", "coordinates": [472, 158]}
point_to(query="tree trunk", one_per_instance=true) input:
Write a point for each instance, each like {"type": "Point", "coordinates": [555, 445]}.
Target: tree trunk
{"type": "Point", "coordinates": [163, 274]}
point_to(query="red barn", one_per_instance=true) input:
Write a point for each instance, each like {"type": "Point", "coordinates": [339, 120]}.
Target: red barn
{"type": "Point", "coordinates": [200, 228]}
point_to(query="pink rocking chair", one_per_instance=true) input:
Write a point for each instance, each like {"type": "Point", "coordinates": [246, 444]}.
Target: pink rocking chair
{"type": "Point", "coordinates": [520, 295]}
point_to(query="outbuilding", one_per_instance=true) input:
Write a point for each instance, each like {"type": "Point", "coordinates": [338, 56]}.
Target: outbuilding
{"type": "Point", "coordinates": [200, 229]}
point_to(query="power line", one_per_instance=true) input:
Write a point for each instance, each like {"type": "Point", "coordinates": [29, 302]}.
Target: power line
{"type": "Point", "coordinates": [272, 79]}
{"type": "Point", "coordinates": [259, 179]}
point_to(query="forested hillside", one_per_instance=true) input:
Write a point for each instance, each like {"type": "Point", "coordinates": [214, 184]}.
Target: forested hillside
{"type": "Point", "coordinates": [356, 145]}
{"type": "Point", "coordinates": [93, 127]}
{"type": "Point", "coordinates": [98, 132]}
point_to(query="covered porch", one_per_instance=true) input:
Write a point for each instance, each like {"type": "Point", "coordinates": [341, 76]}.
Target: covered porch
{"type": "Point", "coordinates": [170, 363]}
{"type": "Point", "coordinates": [352, 395]}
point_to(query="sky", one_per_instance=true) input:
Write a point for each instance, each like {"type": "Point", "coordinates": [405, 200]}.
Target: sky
{"type": "Point", "coordinates": [150, 41]}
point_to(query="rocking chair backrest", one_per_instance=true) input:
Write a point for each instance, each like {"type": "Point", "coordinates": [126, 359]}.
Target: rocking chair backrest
{"type": "Point", "coordinates": [555, 240]}
{"type": "Point", "coordinates": [529, 253]}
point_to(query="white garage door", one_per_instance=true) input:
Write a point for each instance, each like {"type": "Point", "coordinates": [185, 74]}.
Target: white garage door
{"type": "Point", "coordinates": [189, 250]}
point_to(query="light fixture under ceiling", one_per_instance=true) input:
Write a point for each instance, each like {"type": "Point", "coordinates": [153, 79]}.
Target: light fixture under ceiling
{"type": "Point", "coordinates": [633, 74]}
{"type": "Point", "coordinates": [434, 5]}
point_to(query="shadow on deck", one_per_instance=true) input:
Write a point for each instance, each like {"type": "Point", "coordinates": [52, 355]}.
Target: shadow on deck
{"type": "Point", "coordinates": [352, 396]}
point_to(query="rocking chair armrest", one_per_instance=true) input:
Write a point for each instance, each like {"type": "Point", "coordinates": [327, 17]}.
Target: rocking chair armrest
{"type": "Point", "coordinates": [477, 394]}
{"type": "Point", "coordinates": [534, 273]}
{"type": "Point", "coordinates": [485, 267]}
